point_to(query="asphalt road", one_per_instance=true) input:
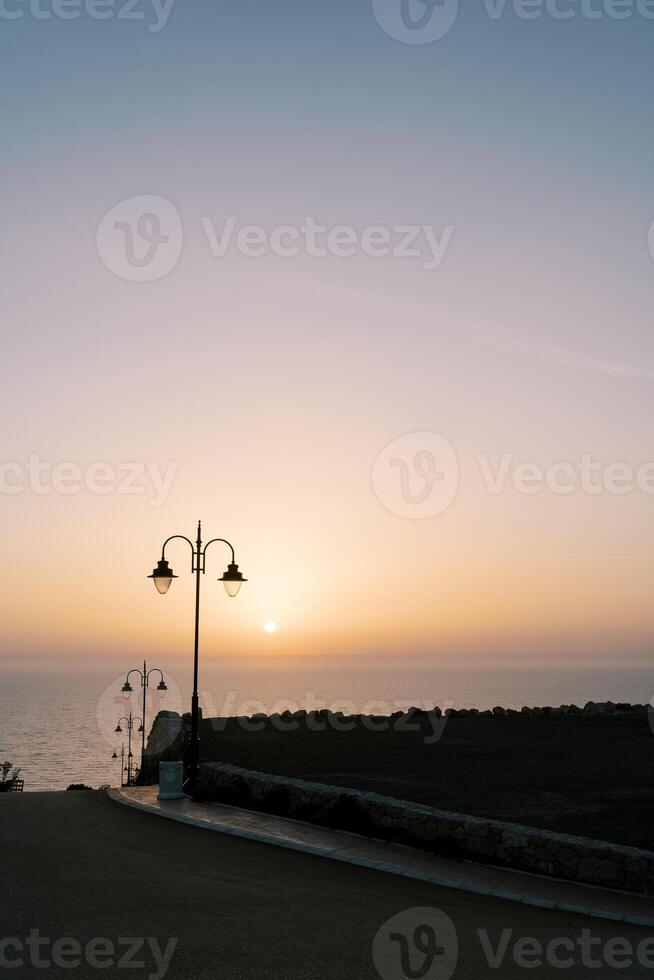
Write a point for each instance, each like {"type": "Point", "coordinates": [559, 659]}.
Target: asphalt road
{"type": "Point", "coordinates": [81, 866]}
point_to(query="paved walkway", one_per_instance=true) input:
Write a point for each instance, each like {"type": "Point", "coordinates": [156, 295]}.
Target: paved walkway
{"type": "Point", "coordinates": [548, 893]}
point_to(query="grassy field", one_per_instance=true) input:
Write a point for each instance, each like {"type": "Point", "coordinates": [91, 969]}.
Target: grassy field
{"type": "Point", "coordinates": [592, 776]}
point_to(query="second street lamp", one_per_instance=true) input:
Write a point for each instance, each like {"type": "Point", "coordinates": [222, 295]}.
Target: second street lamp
{"type": "Point", "coordinates": [144, 676]}
{"type": "Point", "coordinates": [232, 579]}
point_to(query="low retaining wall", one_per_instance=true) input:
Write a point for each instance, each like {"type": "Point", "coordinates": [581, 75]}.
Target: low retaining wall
{"type": "Point", "coordinates": [167, 739]}
{"type": "Point", "coordinates": [451, 834]}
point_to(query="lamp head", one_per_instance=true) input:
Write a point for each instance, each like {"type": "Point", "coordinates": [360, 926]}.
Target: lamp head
{"type": "Point", "coordinates": [162, 576]}
{"type": "Point", "coordinates": [232, 579]}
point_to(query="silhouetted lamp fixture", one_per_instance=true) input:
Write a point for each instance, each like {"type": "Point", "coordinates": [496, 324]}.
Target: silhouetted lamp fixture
{"type": "Point", "coordinates": [114, 756]}
{"type": "Point", "coordinates": [118, 728]}
{"type": "Point", "coordinates": [232, 579]}
{"type": "Point", "coordinates": [162, 576]}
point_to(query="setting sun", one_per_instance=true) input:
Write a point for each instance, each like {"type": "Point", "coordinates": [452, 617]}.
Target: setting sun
{"type": "Point", "coordinates": [270, 627]}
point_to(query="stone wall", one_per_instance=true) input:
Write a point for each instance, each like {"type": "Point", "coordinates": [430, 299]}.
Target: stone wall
{"type": "Point", "coordinates": [450, 834]}
{"type": "Point", "coordinates": [169, 729]}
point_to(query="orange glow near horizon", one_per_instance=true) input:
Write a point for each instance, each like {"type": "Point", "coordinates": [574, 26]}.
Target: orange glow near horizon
{"type": "Point", "coordinates": [463, 585]}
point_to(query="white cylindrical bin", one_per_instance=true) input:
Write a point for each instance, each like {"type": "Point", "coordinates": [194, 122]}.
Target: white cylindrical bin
{"type": "Point", "coordinates": [170, 781]}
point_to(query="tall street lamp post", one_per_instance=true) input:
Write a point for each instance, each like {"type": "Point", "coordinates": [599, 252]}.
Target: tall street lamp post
{"type": "Point", "coordinates": [127, 689]}
{"type": "Point", "coordinates": [130, 725]}
{"type": "Point", "coordinates": [232, 579]}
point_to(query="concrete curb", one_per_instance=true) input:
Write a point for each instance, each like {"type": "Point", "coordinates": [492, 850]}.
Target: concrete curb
{"type": "Point", "coordinates": [513, 886]}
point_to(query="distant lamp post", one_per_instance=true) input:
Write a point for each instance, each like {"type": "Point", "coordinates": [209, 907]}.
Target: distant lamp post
{"type": "Point", "coordinates": [232, 579]}
{"type": "Point", "coordinates": [144, 677]}
{"type": "Point", "coordinates": [123, 767]}
{"type": "Point", "coordinates": [130, 725]}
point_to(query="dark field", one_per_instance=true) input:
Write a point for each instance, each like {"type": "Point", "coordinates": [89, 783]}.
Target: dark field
{"type": "Point", "coordinates": [592, 776]}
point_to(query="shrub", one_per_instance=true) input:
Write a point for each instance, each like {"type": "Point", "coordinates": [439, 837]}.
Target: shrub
{"type": "Point", "coordinates": [8, 772]}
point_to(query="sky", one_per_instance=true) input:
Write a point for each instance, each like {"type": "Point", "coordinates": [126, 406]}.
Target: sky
{"type": "Point", "coordinates": [388, 422]}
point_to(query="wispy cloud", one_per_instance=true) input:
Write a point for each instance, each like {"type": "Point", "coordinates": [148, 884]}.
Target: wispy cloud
{"type": "Point", "coordinates": [565, 357]}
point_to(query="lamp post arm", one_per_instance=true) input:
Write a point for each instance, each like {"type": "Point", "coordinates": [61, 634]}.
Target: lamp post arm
{"type": "Point", "coordinates": [134, 670]}
{"type": "Point", "coordinates": [213, 540]}
{"type": "Point", "coordinates": [184, 538]}
{"type": "Point", "coordinates": [158, 670]}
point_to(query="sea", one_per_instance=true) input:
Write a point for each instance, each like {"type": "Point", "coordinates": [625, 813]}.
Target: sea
{"type": "Point", "coordinates": [58, 725]}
